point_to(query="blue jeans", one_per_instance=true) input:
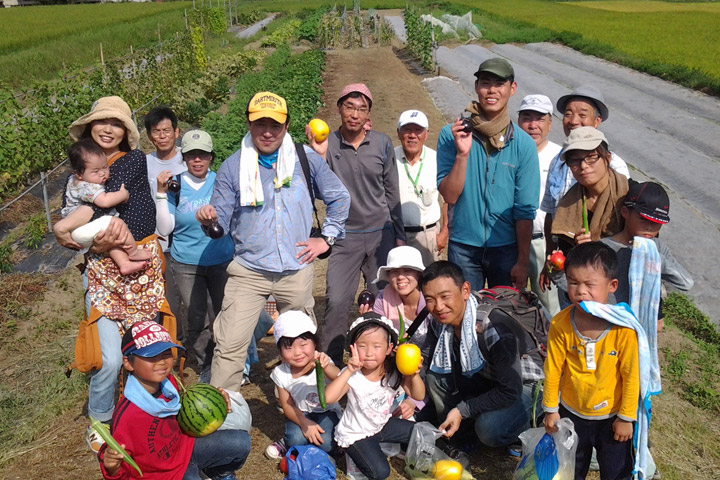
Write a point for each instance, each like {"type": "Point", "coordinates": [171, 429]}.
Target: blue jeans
{"type": "Point", "coordinates": [479, 264]}
{"type": "Point", "coordinates": [496, 428]}
{"type": "Point", "coordinates": [368, 456]}
{"type": "Point", "coordinates": [327, 420]}
{"type": "Point", "coordinates": [220, 453]}
{"type": "Point", "coordinates": [101, 394]}
{"type": "Point", "coordinates": [265, 321]}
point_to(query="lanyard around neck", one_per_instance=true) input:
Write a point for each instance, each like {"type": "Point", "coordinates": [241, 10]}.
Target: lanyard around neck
{"type": "Point", "coordinates": [417, 177]}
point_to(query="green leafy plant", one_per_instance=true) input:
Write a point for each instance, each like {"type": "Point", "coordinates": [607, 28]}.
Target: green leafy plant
{"type": "Point", "coordinates": [419, 37]}
{"type": "Point", "coordinates": [6, 251]}
{"type": "Point", "coordinates": [35, 230]}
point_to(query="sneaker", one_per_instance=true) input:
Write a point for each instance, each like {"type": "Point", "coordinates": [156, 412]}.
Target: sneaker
{"type": "Point", "coordinates": [276, 450]}
{"type": "Point", "coordinates": [93, 439]}
{"type": "Point", "coordinates": [245, 380]}
{"type": "Point", "coordinates": [515, 449]}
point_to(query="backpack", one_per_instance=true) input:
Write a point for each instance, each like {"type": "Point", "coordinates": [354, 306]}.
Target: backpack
{"type": "Point", "coordinates": [523, 315]}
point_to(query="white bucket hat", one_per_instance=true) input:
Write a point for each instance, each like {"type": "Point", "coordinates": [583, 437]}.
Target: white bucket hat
{"type": "Point", "coordinates": [400, 257]}
{"type": "Point", "coordinates": [292, 324]}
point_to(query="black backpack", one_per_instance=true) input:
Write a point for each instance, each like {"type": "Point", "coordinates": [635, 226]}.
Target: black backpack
{"type": "Point", "coordinates": [523, 315]}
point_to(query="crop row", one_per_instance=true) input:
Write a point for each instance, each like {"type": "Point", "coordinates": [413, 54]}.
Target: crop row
{"type": "Point", "coordinates": [297, 78]}
{"type": "Point", "coordinates": [419, 37]}
{"type": "Point", "coordinates": [177, 72]}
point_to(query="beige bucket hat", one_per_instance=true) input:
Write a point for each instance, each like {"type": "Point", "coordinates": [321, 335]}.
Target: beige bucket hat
{"type": "Point", "coordinates": [102, 109]}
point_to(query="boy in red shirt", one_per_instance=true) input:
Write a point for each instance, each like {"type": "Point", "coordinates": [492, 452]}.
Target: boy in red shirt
{"type": "Point", "coordinates": [145, 423]}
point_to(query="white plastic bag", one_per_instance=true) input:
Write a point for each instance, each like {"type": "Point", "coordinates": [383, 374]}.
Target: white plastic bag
{"type": "Point", "coordinates": [553, 459]}
{"type": "Point", "coordinates": [239, 417]}
{"type": "Point", "coordinates": [422, 454]}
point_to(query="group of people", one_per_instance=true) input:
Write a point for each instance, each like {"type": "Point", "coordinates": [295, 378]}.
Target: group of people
{"type": "Point", "coordinates": [227, 241]}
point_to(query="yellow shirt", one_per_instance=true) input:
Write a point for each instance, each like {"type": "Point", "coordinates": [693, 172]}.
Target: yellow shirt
{"type": "Point", "coordinates": [593, 386]}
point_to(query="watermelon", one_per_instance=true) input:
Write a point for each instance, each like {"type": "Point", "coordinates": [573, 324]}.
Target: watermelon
{"type": "Point", "coordinates": [202, 410]}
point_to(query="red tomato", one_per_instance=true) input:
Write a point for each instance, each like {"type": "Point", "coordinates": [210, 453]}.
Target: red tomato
{"type": "Point", "coordinates": [557, 260]}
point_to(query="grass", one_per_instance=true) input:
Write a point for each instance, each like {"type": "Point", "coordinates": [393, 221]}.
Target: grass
{"type": "Point", "coordinates": [664, 39]}
{"type": "Point", "coordinates": [37, 42]}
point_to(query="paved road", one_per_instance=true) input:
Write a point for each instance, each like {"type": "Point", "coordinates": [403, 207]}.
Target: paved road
{"type": "Point", "coordinates": [666, 133]}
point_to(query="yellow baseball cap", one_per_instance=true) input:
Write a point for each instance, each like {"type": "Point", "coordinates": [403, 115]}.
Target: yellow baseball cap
{"type": "Point", "coordinates": [267, 104]}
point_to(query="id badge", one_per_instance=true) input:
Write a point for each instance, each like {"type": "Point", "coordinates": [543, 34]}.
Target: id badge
{"type": "Point", "coordinates": [590, 356]}
{"type": "Point", "coordinates": [426, 196]}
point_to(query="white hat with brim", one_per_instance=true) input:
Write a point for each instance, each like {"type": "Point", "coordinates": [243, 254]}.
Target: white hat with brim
{"type": "Point", "coordinates": [400, 257]}
{"type": "Point", "coordinates": [103, 109]}
{"type": "Point", "coordinates": [583, 138]}
{"type": "Point", "coordinates": [292, 324]}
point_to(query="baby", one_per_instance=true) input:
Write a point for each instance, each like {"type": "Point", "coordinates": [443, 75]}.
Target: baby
{"type": "Point", "coordinates": [85, 188]}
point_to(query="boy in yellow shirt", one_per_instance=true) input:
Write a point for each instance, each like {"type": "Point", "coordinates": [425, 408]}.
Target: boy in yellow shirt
{"type": "Point", "coordinates": [592, 373]}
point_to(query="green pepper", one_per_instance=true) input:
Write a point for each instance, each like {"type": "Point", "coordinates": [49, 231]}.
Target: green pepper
{"type": "Point", "coordinates": [320, 378]}
{"type": "Point", "coordinates": [104, 432]}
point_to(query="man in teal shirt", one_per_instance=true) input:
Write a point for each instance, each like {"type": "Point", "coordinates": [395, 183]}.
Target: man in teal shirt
{"type": "Point", "coordinates": [491, 177]}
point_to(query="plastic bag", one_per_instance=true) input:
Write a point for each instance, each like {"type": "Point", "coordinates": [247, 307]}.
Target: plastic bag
{"type": "Point", "coordinates": [422, 454]}
{"type": "Point", "coordinates": [308, 462]}
{"type": "Point", "coordinates": [239, 417]}
{"type": "Point", "coordinates": [548, 457]}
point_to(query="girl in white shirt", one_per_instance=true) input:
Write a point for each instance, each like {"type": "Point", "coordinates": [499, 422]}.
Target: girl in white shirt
{"type": "Point", "coordinates": [374, 387]}
{"type": "Point", "coordinates": [307, 421]}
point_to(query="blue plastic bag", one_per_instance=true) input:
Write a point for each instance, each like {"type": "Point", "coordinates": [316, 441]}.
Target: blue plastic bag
{"type": "Point", "coordinates": [548, 457]}
{"type": "Point", "coordinates": [308, 462]}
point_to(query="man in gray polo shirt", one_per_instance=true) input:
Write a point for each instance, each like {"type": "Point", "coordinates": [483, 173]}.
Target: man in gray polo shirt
{"type": "Point", "coordinates": [364, 160]}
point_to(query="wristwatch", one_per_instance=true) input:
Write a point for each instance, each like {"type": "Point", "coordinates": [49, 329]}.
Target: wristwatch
{"type": "Point", "coordinates": [329, 240]}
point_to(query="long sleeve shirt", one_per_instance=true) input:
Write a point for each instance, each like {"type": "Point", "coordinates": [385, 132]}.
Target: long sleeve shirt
{"type": "Point", "coordinates": [266, 236]}
{"type": "Point", "coordinates": [499, 189]}
{"type": "Point", "coordinates": [370, 175]}
{"type": "Point", "coordinates": [592, 386]}
{"type": "Point", "coordinates": [158, 446]}
{"type": "Point", "coordinates": [500, 382]}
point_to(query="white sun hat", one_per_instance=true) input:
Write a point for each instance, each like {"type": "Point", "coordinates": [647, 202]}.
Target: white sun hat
{"type": "Point", "coordinates": [400, 257]}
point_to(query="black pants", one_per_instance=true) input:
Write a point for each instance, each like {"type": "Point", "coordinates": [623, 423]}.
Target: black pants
{"type": "Point", "coordinates": [615, 458]}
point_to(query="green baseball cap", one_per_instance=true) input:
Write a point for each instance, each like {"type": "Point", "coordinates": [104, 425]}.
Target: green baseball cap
{"type": "Point", "coordinates": [498, 67]}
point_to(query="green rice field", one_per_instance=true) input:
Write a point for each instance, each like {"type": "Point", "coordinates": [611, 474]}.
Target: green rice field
{"type": "Point", "coordinates": [36, 42]}
{"type": "Point", "coordinates": [668, 33]}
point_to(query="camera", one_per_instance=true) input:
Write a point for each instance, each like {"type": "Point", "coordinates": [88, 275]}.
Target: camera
{"type": "Point", "coordinates": [467, 125]}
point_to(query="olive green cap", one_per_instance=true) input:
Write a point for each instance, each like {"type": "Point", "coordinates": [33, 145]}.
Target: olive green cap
{"type": "Point", "coordinates": [498, 67]}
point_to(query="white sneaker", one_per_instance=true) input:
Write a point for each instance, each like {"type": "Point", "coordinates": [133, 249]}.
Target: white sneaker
{"type": "Point", "coordinates": [93, 439]}
{"type": "Point", "coordinates": [276, 450]}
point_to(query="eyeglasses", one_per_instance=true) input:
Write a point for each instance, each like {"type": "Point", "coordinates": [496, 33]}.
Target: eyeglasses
{"type": "Point", "coordinates": [192, 155]}
{"type": "Point", "coordinates": [589, 159]}
{"type": "Point", "coordinates": [165, 132]}
{"type": "Point", "coordinates": [351, 108]}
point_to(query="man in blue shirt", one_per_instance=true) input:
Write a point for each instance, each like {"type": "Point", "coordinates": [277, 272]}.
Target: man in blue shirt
{"type": "Point", "coordinates": [491, 176]}
{"type": "Point", "coordinates": [262, 200]}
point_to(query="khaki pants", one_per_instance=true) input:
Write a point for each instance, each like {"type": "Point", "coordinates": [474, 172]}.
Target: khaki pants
{"type": "Point", "coordinates": [245, 294]}
{"type": "Point", "coordinates": [426, 242]}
